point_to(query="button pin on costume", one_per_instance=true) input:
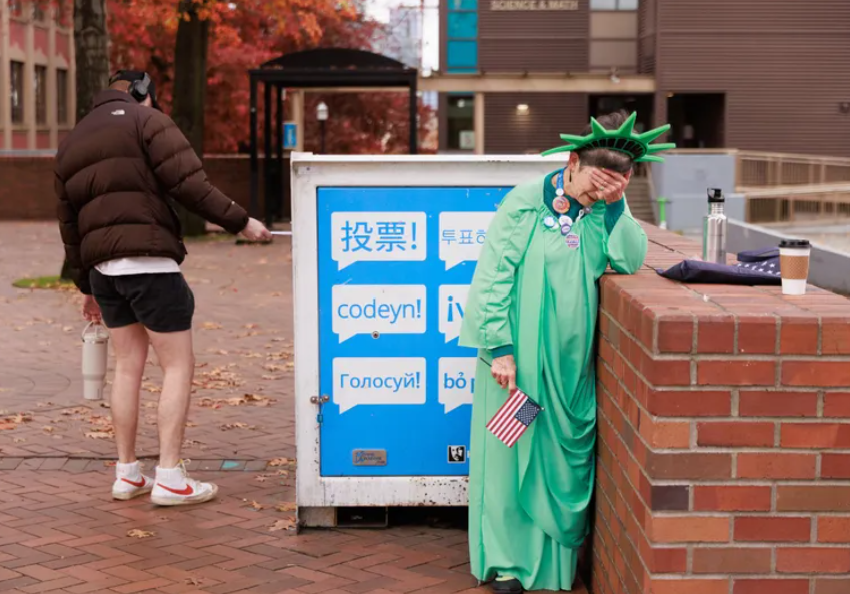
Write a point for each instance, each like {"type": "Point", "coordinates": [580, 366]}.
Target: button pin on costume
{"type": "Point", "coordinates": [531, 313]}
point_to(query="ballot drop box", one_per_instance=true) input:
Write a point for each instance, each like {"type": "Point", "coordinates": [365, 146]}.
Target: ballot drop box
{"type": "Point", "coordinates": [384, 251]}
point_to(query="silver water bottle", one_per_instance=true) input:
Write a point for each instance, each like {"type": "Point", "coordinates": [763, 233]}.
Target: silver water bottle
{"type": "Point", "coordinates": [714, 228]}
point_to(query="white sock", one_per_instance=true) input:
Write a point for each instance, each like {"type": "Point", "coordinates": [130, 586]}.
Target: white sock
{"type": "Point", "coordinates": [131, 471]}
{"type": "Point", "coordinates": [170, 477]}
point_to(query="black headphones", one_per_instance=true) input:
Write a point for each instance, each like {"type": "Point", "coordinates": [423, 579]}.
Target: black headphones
{"type": "Point", "coordinates": [139, 88]}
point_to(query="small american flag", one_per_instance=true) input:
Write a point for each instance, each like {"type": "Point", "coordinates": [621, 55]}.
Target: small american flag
{"type": "Point", "coordinates": [511, 421]}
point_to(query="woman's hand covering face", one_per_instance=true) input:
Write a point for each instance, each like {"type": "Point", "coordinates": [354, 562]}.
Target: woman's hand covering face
{"type": "Point", "coordinates": [609, 185]}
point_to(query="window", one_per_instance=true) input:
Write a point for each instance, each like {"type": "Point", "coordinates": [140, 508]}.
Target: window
{"type": "Point", "coordinates": [59, 13]}
{"type": "Point", "coordinates": [613, 4]}
{"type": "Point", "coordinates": [461, 120]}
{"type": "Point", "coordinates": [38, 14]}
{"type": "Point", "coordinates": [40, 84]}
{"type": "Point", "coordinates": [16, 92]}
{"type": "Point", "coordinates": [463, 25]}
{"type": "Point", "coordinates": [16, 8]}
{"type": "Point", "coordinates": [61, 97]}
{"type": "Point", "coordinates": [462, 54]}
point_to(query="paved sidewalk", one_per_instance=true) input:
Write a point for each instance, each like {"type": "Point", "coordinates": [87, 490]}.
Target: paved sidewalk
{"type": "Point", "coordinates": [59, 529]}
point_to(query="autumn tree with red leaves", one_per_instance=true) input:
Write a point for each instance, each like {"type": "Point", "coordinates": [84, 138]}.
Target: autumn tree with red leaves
{"type": "Point", "coordinates": [241, 36]}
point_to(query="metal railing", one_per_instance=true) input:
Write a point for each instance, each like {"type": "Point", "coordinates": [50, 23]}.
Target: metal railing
{"type": "Point", "coordinates": [759, 170]}
{"type": "Point", "coordinates": [786, 188]}
{"type": "Point", "coordinates": [789, 204]}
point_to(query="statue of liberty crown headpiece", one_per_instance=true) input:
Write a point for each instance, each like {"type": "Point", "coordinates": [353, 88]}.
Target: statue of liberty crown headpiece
{"type": "Point", "coordinates": [624, 140]}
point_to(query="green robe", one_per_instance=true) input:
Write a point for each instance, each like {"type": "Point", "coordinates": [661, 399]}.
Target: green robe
{"type": "Point", "coordinates": [535, 296]}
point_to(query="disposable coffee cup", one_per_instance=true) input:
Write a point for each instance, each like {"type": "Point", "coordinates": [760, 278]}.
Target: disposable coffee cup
{"type": "Point", "coordinates": [794, 255]}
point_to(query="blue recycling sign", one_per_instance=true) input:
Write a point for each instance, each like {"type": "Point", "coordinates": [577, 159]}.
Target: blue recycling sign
{"type": "Point", "coordinates": [395, 265]}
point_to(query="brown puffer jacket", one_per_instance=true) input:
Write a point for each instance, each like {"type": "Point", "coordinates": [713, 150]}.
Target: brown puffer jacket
{"type": "Point", "coordinates": [115, 174]}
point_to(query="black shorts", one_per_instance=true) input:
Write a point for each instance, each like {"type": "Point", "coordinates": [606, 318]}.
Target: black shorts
{"type": "Point", "coordinates": [161, 302]}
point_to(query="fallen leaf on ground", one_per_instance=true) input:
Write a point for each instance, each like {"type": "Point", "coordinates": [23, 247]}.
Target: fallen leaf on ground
{"type": "Point", "coordinates": [229, 426]}
{"type": "Point", "coordinates": [152, 388]}
{"type": "Point", "coordinates": [216, 379]}
{"type": "Point", "coordinates": [150, 404]}
{"type": "Point", "coordinates": [270, 377]}
{"type": "Point", "coordinates": [48, 429]}
{"type": "Point", "coordinates": [211, 326]}
{"type": "Point", "coordinates": [273, 367]}
{"type": "Point", "coordinates": [75, 411]}
{"type": "Point", "coordinates": [251, 326]}
{"type": "Point", "coordinates": [281, 462]}
{"type": "Point", "coordinates": [252, 355]}
{"type": "Point", "coordinates": [12, 422]}
{"type": "Point", "coordinates": [99, 435]}
{"type": "Point", "coordinates": [255, 505]}
{"type": "Point", "coordinates": [284, 524]}
{"type": "Point", "coordinates": [246, 399]}
{"type": "Point", "coordinates": [191, 424]}
{"type": "Point", "coordinates": [19, 440]}
{"type": "Point", "coordinates": [261, 478]}
{"type": "Point", "coordinates": [43, 404]}
{"type": "Point", "coordinates": [140, 534]}
{"type": "Point", "coordinates": [109, 463]}
{"type": "Point", "coordinates": [192, 581]}
{"type": "Point", "coordinates": [287, 506]}
{"type": "Point", "coordinates": [280, 355]}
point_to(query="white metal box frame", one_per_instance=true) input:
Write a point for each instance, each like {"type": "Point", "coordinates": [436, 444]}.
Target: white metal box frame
{"type": "Point", "coordinates": [310, 172]}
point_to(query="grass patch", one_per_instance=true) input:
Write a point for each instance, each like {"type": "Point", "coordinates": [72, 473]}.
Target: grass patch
{"type": "Point", "coordinates": [43, 282]}
{"type": "Point", "coordinates": [209, 237]}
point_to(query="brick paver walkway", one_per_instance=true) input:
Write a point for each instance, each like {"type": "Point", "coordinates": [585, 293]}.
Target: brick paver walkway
{"type": "Point", "coordinates": [61, 532]}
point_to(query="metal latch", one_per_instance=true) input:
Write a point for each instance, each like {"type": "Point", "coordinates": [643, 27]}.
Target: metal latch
{"type": "Point", "coordinates": [319, 401]}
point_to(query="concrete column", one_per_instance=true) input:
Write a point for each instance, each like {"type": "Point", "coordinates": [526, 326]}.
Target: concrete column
{"type": "Point", "coordinates": [296, 100]}
{"type": "Point", "coordinates": [72, 73]}
{"type": "Point", "coordinates": [52, 97]}
{"type": "Point", "coordinates": [29, 82]}
{"type": "Point", "coordinates": [479, 123]}
{"type": "Point", "coordinates": [5, 77]}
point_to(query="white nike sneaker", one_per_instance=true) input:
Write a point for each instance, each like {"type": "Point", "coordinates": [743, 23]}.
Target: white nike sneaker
{"type": "Point", "coordinates": [174, 487]}
{"type": "Point", "coordinates": [130, 482]}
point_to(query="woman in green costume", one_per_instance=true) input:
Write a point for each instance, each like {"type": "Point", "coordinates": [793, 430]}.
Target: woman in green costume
{"type": "Point", "coordinates": [531, 313]}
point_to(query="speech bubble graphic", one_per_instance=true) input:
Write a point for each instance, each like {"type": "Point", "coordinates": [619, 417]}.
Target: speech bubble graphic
{"type": "Point", "coordinates": [457, 381]}
{"type": "Point", "coordinates": [377, 237]}
{"type": "Point", "coordinates": [452, 304]}
{"type": "Point", "coordinates": [387, 309]}
{"type": "Point", "coordinates": [378, 380]}
{"type": "Point", "coordinates": [461, 236]}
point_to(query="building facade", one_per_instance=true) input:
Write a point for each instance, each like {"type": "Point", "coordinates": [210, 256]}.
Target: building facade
{"type": "Point", "coordinates": [37, 76]}
{"type": "Point", "coordinates": [765, 75]}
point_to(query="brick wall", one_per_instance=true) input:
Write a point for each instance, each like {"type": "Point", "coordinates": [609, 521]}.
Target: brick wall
{"type": "Point", "coordinates": [27, 189]}
{"type": "Point", "coordinates": [724, 437]}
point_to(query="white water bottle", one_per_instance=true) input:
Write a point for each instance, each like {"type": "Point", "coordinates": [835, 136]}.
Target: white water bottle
{"type": "Point", "coordinates": [95, 350]}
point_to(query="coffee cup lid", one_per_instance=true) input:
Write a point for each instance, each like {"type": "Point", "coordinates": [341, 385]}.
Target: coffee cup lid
{"type": "Point", "coordinates": [794, 243]}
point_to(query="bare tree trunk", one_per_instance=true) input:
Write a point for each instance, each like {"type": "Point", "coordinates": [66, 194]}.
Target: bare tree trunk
{"type": "Point", "coordinates": [91, 43]}
{"type": "Point", "coordinates": [190, 89]}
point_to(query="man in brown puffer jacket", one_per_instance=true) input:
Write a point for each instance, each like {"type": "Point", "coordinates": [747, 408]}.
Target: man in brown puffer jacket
{"type": "Point", "coordinates": [116, 173]}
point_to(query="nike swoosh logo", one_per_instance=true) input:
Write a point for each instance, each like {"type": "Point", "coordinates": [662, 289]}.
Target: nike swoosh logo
{"type": "Point", "coordinates": [187, 491]}
{"type": "Point", "coordinates": [138, 485]}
